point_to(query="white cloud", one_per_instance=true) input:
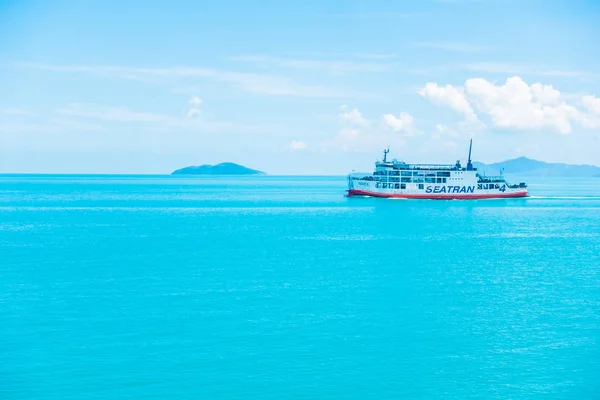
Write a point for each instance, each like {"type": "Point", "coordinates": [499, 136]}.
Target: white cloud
{"type": "Point", "coordinates": [449, 96]}
{"type": "Point", "coordinates": [297, 145]}
{"type": "Point", "coordinates": [443, 130]}
{"type": "Point", "coordinates": [250, 82]}
{"type": "Point", "coordinates": [353, 117]}
{"type": "Point", "coordinates": [403, 123]}
{"type": "Point", "coordinates": [545, 94]}
{"type": "Point", "coordinates": [591, 103]}
{"type": "Point", "coordinates": [358, 134]}
{"type": "Point", "coordinates": [515, 104]}
{"type": "Point", "coordinates": [194, 109]}
{"type": "Point", "coordinates": [591, 119]}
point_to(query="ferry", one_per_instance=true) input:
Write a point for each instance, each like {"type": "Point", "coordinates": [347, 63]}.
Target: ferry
{"type": "Point", "coordinates": [397, 179]}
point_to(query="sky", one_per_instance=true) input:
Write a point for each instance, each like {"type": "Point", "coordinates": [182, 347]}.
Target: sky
{"type": "Point", "coordinates": [295, 87]}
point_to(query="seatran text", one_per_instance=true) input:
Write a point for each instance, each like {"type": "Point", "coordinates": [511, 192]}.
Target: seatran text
{"type": "Point", "coordinates": [450, 189]}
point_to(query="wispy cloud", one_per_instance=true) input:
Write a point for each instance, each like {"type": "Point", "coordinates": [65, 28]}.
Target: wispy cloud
{"type": "Point", "coordinates": [251, 82]}
{"type": "Point", "coordinates": [336, 66]}
{"type": "Point", "coordinates": [110, 113]}
{"type": "Point", "coordinates": [157, 120]}
{"type": "Point", "coordinates": [459, 2]}
{"type": "Point", "coordinates": [329, 66]}
{"type": "Point", "coordinates": [378, 15]}
{"type": "Point", "coordinates": [54, 125]}
{"type": "Point", "coordinates": [297, 145]}
{"type": "Point", "coordinates": [456, 47]}
{"type": "Point", "coordinates": [329, 55]}
{"type": "Point", "coordinates": [251, 58]}
{"type": "Point", "coordinates": [15, 111]}
{"type": "Point", "coordinates": [375, 56]}
{"type": "Point", "coordinates": [509, 68]}
{"type": "Point", "coordinates": [194, 103]}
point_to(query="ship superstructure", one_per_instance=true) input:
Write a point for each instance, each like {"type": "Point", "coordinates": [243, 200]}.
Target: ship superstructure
{"type": "Point", "coordinates": [431, 181]}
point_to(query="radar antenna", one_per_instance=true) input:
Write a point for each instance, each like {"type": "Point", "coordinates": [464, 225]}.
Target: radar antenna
{"type": "Point", "coordinates": [385, 153]}
{"type": "Point", "coordinates": [469, 164]}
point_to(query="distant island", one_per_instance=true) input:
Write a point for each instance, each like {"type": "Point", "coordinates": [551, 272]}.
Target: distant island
{"type": "Point", "coordinates": [225, 168]}
{"type": "Point", "coordinates": [530, 167]}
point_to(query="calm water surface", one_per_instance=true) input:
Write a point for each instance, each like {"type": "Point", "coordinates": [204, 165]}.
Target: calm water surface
{"type": "Point", "coordinates": [136, 287]}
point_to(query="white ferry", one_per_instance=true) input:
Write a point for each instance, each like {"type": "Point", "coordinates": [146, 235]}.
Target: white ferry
{"type": "Point", "coordinates": [398, 179]}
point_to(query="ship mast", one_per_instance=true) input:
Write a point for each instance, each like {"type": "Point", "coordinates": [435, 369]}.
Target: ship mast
{"type": "Point", "coordinates": [385, 153]}
{"type": "Point", "coordinates": [469, 165]}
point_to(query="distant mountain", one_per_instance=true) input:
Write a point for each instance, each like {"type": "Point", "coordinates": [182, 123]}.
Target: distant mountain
{"type": "Point", "coordinates": [527, 166]}
{"type": "Point", "coordinates": [219, 169]}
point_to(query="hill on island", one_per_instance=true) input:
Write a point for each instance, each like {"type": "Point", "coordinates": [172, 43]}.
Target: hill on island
{"type": "Point", "coordinates": [226, 168]}
{"type": "Point", "coordinates": [530, 167]}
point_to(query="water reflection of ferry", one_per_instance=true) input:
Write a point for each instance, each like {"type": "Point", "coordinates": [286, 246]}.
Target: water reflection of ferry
{"type": "Point", "coordinates": [431, 181]}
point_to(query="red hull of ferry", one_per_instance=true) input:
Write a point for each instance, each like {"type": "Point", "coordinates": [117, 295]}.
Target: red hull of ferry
{"type": "Point", "coordinates": [355, 192]}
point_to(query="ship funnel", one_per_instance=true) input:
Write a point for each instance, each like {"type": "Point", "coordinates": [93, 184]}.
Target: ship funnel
{"type": "Point", "coordinates": [469, 164]}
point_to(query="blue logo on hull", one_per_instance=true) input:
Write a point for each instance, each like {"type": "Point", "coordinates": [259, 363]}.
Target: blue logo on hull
{"type": "Point", "coordinates": [450, 189]}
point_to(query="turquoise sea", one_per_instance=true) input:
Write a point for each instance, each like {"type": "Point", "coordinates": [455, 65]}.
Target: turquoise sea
{"type": "Point", "coordinates": [151, 287]}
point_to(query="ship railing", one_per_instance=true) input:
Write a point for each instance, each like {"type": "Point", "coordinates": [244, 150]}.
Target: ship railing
{"type": "Point", "coordinates": [420, 167]}
{"type": "Point", "coordinates": [521, 185]}
{"type": "Point", "coordinates": [490, 178]}
{"type": "Point", "coordinates": [364, 176]}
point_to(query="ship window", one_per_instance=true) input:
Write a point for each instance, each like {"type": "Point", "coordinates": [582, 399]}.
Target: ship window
{"type": "Point", "coordinates": [406, 180]}
{"type": "Point", "coordinates": [385, 185]}
{"type": "Point", "coordinates": [420, 186]}
{"type": "Point", "coordinates": [403, 186]}
{"type": "Point", "coordinates": [485, 186]}
{"type": "Point", "coordinates": [496, 186]}
{"type": "Point", "coordinates": [397, 186]}
{"type": "Point", "coordinates": [439, 180]}
{"type": "Point", "coordinates": [443, 180]}
{"type": "Point", "coordinates": [377, 185]}
{"type": "Point", "coordinates": [406, 173]}
{"type": "Point", "coordinates": [479, 186]}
